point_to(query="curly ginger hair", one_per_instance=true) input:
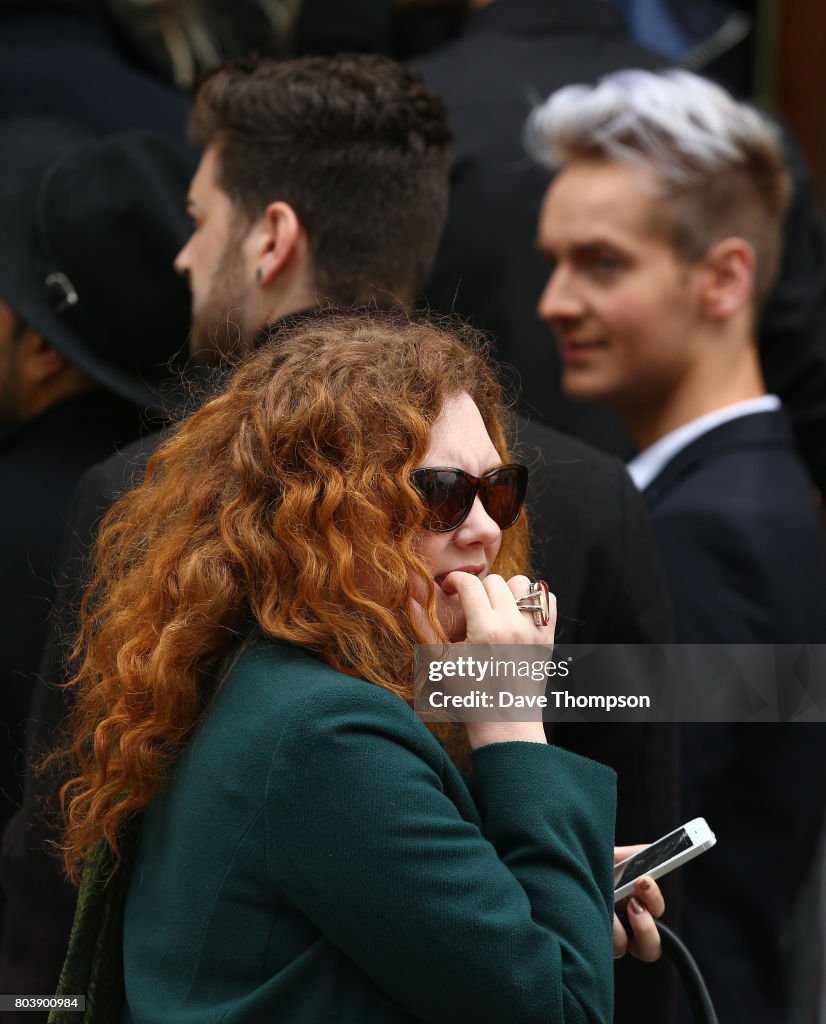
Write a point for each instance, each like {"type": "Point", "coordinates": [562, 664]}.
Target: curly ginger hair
{"type": "Point", "coordinates": [270, 507]}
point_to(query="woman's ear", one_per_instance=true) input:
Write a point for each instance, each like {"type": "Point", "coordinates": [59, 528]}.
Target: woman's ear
{"type": "Point", "coordinates": [728, 277]}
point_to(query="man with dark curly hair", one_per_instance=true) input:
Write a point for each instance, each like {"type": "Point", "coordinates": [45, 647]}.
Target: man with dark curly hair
{"type": "Point", "coordinates": [322, 181]}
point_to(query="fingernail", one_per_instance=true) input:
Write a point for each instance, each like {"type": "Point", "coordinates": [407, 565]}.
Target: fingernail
{"type": "Point", "coordinates": [635, 905]}
{"type": "Point", "coordinates": [644, 885]}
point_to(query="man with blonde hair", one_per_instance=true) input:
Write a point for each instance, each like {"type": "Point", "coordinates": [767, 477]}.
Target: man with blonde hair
{"type": "Point", "coordinates": [663, 232]}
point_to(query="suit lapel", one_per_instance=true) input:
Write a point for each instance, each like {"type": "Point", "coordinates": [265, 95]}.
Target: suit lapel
{"type": "Point", "coordinates": [757, 430]}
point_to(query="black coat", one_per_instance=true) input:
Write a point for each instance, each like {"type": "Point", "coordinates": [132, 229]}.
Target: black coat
{"type": "Point", "coordinates": [595, 548]}
{"type": "Point", "coordinates": [735, 520]}
{"type": "Point", "coordinates": [40, 464]}
{"type": "Point", "coordinates": [63, 59]}
{"type": "Point", "coordinates": [512, 55]}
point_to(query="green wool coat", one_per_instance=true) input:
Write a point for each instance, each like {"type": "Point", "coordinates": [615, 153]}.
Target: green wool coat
{"type": "Point", "coordinates": [316, 857]}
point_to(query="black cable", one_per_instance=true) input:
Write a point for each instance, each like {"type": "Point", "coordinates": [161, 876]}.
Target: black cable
{"type": "Point", "coordinates": [699, 1000]}
{"type": "Point", "coordinates": [702, 1008]}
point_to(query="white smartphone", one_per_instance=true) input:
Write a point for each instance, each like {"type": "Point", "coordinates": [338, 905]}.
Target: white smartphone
{"type": "Point", "coordinates": [683, 844]}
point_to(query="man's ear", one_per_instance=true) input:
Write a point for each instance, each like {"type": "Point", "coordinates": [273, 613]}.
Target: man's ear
{"type": "Point", "coordinates": [728, 277]}
{"type": "Point", "coordinates": [282, 241]}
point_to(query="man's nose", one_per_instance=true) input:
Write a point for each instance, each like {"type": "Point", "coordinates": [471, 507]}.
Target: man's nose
{"type": "Point", "coordinates": [181, 261]}
{"type": "Point", "coordinates": [560, 299]}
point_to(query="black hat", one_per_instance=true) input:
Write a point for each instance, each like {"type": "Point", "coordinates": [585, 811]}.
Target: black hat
{"type": "Point", "coordinates": [88, 232]}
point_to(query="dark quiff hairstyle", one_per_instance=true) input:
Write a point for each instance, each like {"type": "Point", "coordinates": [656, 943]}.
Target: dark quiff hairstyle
{"type": "Point", "coordinates": [356, 144]}
{"type": "Point", "coordinates": [283, 506]}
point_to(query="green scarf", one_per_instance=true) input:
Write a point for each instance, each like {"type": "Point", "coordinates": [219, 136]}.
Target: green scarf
{"type": "Point", "coordinates": [94, 960]}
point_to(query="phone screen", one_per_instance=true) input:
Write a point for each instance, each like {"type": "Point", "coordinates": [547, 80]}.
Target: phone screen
{"type": "Point", "coordinates": [642, 863]}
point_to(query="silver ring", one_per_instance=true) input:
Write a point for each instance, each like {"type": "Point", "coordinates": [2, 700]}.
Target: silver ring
{"type": "Point", "coordinates": [537, 600]}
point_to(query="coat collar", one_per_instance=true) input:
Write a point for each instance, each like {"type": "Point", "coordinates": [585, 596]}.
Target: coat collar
{"type": "Point", "coordinates": [759, 430]}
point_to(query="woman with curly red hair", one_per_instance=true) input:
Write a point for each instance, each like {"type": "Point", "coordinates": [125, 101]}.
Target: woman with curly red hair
{"type": "Point", "coordinates": [300, 847]}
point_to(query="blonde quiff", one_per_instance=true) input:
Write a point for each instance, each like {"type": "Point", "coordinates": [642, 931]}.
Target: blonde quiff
{"type": "Point", "coordinates": [717, 163]}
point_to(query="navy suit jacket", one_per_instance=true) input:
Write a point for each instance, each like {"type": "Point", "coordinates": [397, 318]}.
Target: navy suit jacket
{"type": "Point", "coordinates": [734, 515]}
{"type": "Point", "coordinates": [735, 518]}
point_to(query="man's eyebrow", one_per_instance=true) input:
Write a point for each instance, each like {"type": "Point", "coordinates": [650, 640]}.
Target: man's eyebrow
{"type": "Point", "coordinates": [594, 246]}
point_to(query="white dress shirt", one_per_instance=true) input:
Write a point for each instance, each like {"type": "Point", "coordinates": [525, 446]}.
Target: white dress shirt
{"type": "Point", "coordinates": [648, 465]}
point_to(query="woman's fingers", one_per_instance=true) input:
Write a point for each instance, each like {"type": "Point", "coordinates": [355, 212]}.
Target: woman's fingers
{"type": "Point", "coordinates": [642, 908]}
{"type": "Point", "coordinates": [645, 944]}
{"type": "Point", "coordinates": [474, 597]}
{"type": "Point", "coordinates": [491, 612]}
{"type": "Point", "coordinates": [646, 904]}
{"type": "Point", "coordinates": [650, 895]}
{"type": "Point", "coordinates": [624, 852]}
{"type": "Point", "coordinates": [518, 586]}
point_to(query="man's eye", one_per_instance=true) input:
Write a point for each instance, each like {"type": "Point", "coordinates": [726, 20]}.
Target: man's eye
{"type": "Point", "coordinates": [606, 264]}
{"type": "Point", "coordinates": [607, 259]}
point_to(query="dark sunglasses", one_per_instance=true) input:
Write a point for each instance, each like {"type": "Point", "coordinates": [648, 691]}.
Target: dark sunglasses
{"type": "Point", "coordinates": [448, 494]}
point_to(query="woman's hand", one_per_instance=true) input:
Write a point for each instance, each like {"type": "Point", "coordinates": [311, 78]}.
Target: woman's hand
{"type": "Point", "coordinates": [490, 610]}
{"type": "Point", "coordinates": [646, 904]}
{"type": "Point", "coordinates": [492, 617]}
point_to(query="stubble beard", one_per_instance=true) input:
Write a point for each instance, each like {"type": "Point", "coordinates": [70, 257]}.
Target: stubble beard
{"type": "Point", "coordinates": [219, 322]}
